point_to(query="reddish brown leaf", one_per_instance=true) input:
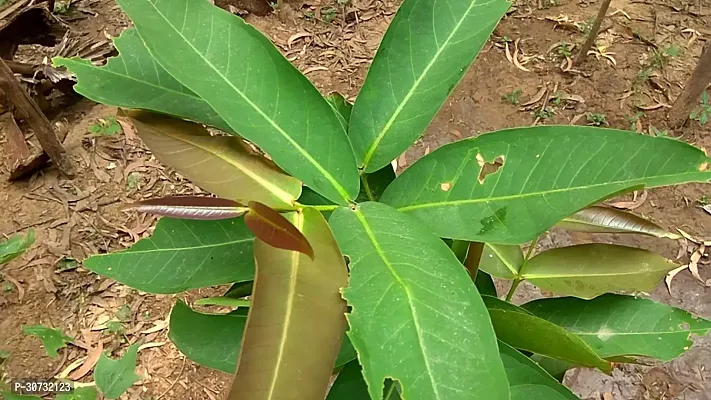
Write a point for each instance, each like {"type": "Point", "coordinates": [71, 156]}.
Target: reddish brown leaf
{"type": "Point", "coordinates": [190, 207]}
{"type": "Point", "coordinates": [275, 230]}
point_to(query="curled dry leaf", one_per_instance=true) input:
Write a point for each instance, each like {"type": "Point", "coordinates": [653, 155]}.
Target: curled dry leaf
{"type": "Point", "coordinates": [653, 106]}
{"type": "Point", "coordinates": [508, 53]}
{"type": "Point", "coordinates": [631, 205]}
{"type": "Point", "coordinates": [608, 220]}
{"type": "Point", "coordinates": [190, 207]}
{"type": "Point", "coordinates": [694, 262]}
{"type": "Point", "coordinates": [516, 62]}
{"type": "Point", "coordinates": [92, 357]}
{"type": "Point", "coordinates": [670, 276]}
{"type": "Point", "coordinates": [536, 97]}
{"type": "Point", "coordinates": [275, 230]}
{"type": "Point", "coordinates": [296, 37]}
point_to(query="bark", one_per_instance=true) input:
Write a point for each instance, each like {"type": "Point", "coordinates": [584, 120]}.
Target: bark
{"type": "Point", "coordinates": [695, 86]}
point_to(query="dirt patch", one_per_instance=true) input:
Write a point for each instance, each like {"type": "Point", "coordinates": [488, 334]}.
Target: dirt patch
{"type": "Point", "coordinates": [333, 44]}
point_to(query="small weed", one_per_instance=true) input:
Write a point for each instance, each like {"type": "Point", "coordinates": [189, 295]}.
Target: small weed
{"type": "Point", "coordinates": [132, 180]}
{"type": "Point", "coordinates": [309, 15]}
{"type": "Point", "coordinates": [558, 98]}
{"type": "Point", "coordinates": [586, 26]}
{"type": "Point", "coordinates": [274, 5]}
{"type": "Point", "coordinates": [544, 113]}
{"type": "Point", "coordinates": [703, 112]}
{"type": "Point", "coordinates": [7, 286]}
{"type": "Point", "coordinates": [653, 131]}
{"type": "Point", "coordinates": [661, 57]}
{"type": "Point", "coordinates": [123, 313]}
{"type": "Point", "coordinates": [703, 200]}
{"type": "Point", "coordinates": [564, 50]}
{"type": "Point", "coordinates": [328, 14]}
{"type": "Point", "coordinates": [550, 3]}
{"type": "Point", "coordinates": [513, 97]}
{"type": "Point", "coordinates": [644, 74]}
{"type": "Point", "coordinates": [504, 39]}
{"type": "Point", "coordinates": [105, 127]}
{"type": "Point", "coordinates": [632, 120]}
{"type": "Point", "coordinates": [62, 7]}
{"type": "Point", "coordinates": [115, 327]}
{"type": "Point", "coordinates": [596, 119]}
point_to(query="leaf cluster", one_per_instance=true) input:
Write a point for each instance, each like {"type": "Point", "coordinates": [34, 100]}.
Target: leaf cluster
{"type": "Point", "coordinates": [311, 222]}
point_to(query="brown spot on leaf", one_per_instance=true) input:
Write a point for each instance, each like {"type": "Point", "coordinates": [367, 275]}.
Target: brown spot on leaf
{"type": "Point", "coordinates": [445, 186]}
{"type": "Point", "coordinates": [488, 168]}
{"type": "Point", "coordinates": [704, 166]}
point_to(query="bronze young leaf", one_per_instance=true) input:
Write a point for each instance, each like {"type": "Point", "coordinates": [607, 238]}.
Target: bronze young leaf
{"type": "Point", "coordinates": [609, 220]}
{"type": "Point", "coordinates": [189, 207]}
{"type": "Point", "coordinates": [275, 230]}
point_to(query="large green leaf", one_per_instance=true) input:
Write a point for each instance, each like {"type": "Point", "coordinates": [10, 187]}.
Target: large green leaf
{"type": "Point", "coordinates": [522, 330]}
{"type": "Point", "coordinates": [548, 173]}
{"type": "Point", "coordinates": [250, 84]}
{"type": "Point", "coordinates": [425, 52]}
{"type": "Point", "coordinates": [182, 255]}
{"type": "Point", "coordinates": [615, 325]}
{"type": "Point", "coordinates": [135, 80]}
{"type": "Point", "coordinates": [221, 165]}
{"type": "Point", "coordinates": [528, 380]}
{"type": "Point", "coordinates": [15, 246]}
{"type": "Point", "coordinates": [296, 308]}
{"type": "Point", "coordinates": [589, 270]}
{"type": "Point", "coordinates": [52, 339]}
{"type": "Point", "coordinates": [211, 340]}
{"type": "Point", "coordinates": [501, 260]}
{"type": "Point", "coordinates": [413, 302]}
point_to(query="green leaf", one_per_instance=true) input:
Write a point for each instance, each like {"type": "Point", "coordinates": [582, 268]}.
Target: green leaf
{"type": "Point", "coordinates": [484, 284]}
{"type": "Point", "coordinates": [15, 246]}
{"type": "Point", "coordinates": [346, 354]}
{"type": "Point", "coordinates": [589, 270]}
{"type": "Point", "coordinates": [296, 308]}
{"type": "Point", "coordinates": [250, 84]}
{"type": "Point", "coordinates": [522, 330]}
{"type": "Point", "coordinates": [239, 290]}
{"type": "Point", "coordinates": [375, 184]}
{"type": "Point", "coordinates": [548, 173]}
{"type": "Point", "coordinates": [425, 52]}
{"type": "Point", "coordinates": [114, 377]}
{"type": "Point", "coordinates": [182, 255]}
{"type": "Point", "coordinates": [221, 165]}
{"type": "Point", "coordinates": [350, 384]}
{"type": "Point", "coordinates": [342, 107]}
{"type": "Point", "coordinates": [501, 260]}
{"type": "Point", "coordinates": [410, 295]}
{"type": "Point", "coordinates": [609, 220]}
{"type": "Point", "coordinates": [135, 80]}
{"type": "Point", "coordinates": [212, 340]}
{"type": "Point", "coordinates": [52, 339]}
{"type": "Point", "coordinates": [81, 393]}
{"type": "Point", "coordinates": [556, 368]}
{"type": "Point", "coordinates": [615, 325]}
{"type": "Point", "coordinates": [528, 380]}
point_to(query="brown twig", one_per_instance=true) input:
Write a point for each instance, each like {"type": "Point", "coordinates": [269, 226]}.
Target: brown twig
{"type": "Point", "coordinates": [695, 86]}
{"type": "Point", "coordinates": [592, 35]}
{"type": "Point", "coordinates": [36, 119]}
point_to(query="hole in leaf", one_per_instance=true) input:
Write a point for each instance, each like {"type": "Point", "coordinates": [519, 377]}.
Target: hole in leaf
{"type": "Point", "coordinates": [488, 168]}
{"type": "Point", "coordinates": [445, 186]}
{"type": "Point", "coordinates": [684, 326]}
{"type": "Point", "coordinates": [704, 166]}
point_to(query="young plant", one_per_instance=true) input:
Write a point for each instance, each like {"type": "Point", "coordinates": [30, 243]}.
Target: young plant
{"type": "Point", "coordinates": [596, 119]}
{"type": "Point", "coordinates": [324, 227]}
{"type": "Point", "coordinates": [513, 97]}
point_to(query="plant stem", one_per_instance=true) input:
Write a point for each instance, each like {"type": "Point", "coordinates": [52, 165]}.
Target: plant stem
{"type": "Point", "coordinates": [329, 207]}
{"type": "Point", "coordinates": [368, 192]}
{"type": "Point", "coordinates": [592, 35]}
{"type": "Point", "coordinates": [518, 279]}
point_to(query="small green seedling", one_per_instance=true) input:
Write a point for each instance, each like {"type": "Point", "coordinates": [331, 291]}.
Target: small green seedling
{"type": "Point", "coordinates": [596, 119]}
{"type": "Point", "coordinates": [653, 131]}
{"type": "Point", "coordinates": [514, 97]}
{"type": "Point", "coordinates": [703, 200]}
{"type": "Point", "coordinates": [565, 49]}
{"type": "Point", "coordinates": [703, 112]}
{"type": "Point", "coordinates": [105, 127]}
{"type": "Point", "coordinates": [661, 57]}
{"type": "Point", "coordinates": [633, 119]}
{"type": "Point", "coordinates": [62, 7]}
{"type": "Point", "coordinates": [328, 14]}
{"type": "Point", "coordinates": [544, 113]}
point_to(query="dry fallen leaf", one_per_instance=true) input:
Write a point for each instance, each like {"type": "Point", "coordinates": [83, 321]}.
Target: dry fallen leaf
{"type": "Point", "coordinates": [516, 62]}
{"type": "Point", "coordinates": [92, 357]}
{"type": "Point", "coordinates": [694, 262]}
{"type": "Point", "coordinates": [536, 97]}
{"type": "Point", "coordinates": [670, 276]}
{"type": "Point", "coordinates": [631, 205]}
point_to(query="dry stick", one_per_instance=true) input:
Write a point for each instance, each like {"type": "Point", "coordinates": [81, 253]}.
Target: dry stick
{"type": "Point", "coordinates": [36, 119]}
{"type": "Point", "coordinates": [695, 86]}
{"type": "Point", "coordinates": [592, 35]}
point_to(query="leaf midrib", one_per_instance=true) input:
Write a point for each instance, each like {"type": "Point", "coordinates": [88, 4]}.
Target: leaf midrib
{"type": "Point", "coordinates": [596, 275]}
{"type": "Point", "coordinates": [173, 249]}
{"type": "Point", "coordinates": [418, 81]}
{"type": "Point", "coordinates": [274, 189]}
{"type": "Point", "coordinates": [304, 153]}
{"type": "Point", "coordinates": [531, 194]}
{"type": "Point", "coordinates": [651, 333]}
{"type": "Point", "coordinates": [504, 260]}
{"type": "Point", "coordinates": [371, 235]}
{"type": "Point", "coordinates": [293, 280]}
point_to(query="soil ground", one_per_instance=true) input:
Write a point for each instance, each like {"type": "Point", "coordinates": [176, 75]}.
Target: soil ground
{"type": "Point", "coordinates": [334, 44]}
